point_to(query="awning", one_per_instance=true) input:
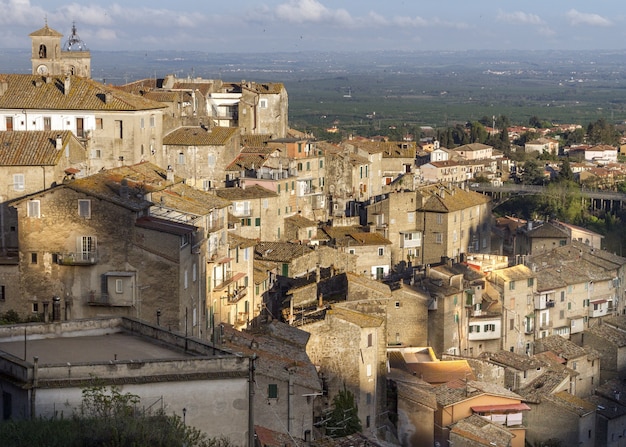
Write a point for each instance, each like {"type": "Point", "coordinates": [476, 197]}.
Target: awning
{"type": "Point", "coordinates": [599, 302]}
{"type": "Point", "coordinates": [506, 408]}
{"type": "Point", "coordinates": [223, 260]}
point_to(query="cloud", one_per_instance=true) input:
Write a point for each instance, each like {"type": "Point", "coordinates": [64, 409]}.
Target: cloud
{"type": "Point", "coordinates": [519, 17]}
{"type": "Point", "coordinates": [580, 18]}
{"type": "Point", "coordinates": [20, 12]}
{"type": "Point", "coordinates": [301, 11]}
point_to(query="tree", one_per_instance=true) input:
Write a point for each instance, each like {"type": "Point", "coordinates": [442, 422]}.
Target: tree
{"type": "Point", "coordinates": [343, 419]}
{"type": "Point", "coordinates": [602, 132]}
{"type": "Point", "coordinates": [532, 173]}
{"type": "Point", "coordinates": [107, 417]}
{"type": "Point", "coordinates": [565, 173]}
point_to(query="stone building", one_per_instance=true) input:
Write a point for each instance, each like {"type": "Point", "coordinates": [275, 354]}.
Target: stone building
{"type": "Point", "coordinates": [608, 337]}
{"type": "Point", "coordinates": [519, 369]}
{"type": "Point", "coordinates": [91, 247]}
{"type": "Point", "coordinates": [536, 238]}
{"type": "Point", "coordinates": [522, 318]}
{"type": "Point", "coordinates": [349, 347]}
{"type": "Point", "coordinates": [287, 384]}
{"type": "Point", "coordinates": [115, 127]}
{"type": "Point", "coordinates": [452, 221]}
{"type": "Point", "coordinates": [586, 363]}
{"type": "Point", "coordinates": [48, 57]}
{"type": "Point", "coordinates": [255, 209]}
{"type": "Point", "coordinates": [32, 161]}
{"type": "Point", "coordinates": [299, 228]}
{"type": "Point", "coordinates": [205, 385]}
{"type": "Point", "coordinates": [200, 155]}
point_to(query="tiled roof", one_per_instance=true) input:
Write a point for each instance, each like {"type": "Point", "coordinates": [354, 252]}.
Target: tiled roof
{"type": "Point", "coordinates": [255, 140]}
{"type": "Point", "coordinates": [607, 408]}
{"type": "Point", "coordinates": [185, 198]}
{"type": "Point", "coordinates": [271, 438]}
{"type": "Point", "coordinates": [247, 193]}
{"type": "Point", "coordinates": [354, 236]}
{"type": "Point", "coordinates": [280, 251]}
{"type": "Point", "coordinates": [618, 321]}
{"type": "Point", "coordinates": [300, 221]}
{"type": "Point", "coordinates": [240, 242]}
{"type": "Point", "coordinates": [471, 147]}
{"type": "Point", "coordinates": [547, 230]}
{"type": "Point", "coordinates": [478, 429]}
{"type": "Point", "coordinates": [610, 334]}
{"type": "Point", "coordinates": [45, 32]}
{"type": "Point", "coordinates": [358, 318]}
{"type": "Point", "coordinates": [48, 93]}
{"type": "Point", "coordinates": [442, 198]}
{"type": "Point", "coordinates": [33, 148]}
{"type": "Point", "coordinates": [561, 346]}
{"type": "Point", "coordinates": [513, 360]}
{"type": "Point", "coordinates": [280, 348]}
{"type": "Point", "coordinates": [445, 371]}
{"type": "Point", "coordinates": [354, 440]}
{"type": "Point", "coordinates": [516, 273]}
{"type": "Point", "coordinates": [163, 96]}
{"type": "Point", "coordinates": [459, 390]}
{"type": "Point", "coordinates": [198, 136]}
{"type": "Point", "coordinates": [139, 180]}
{"type": "Point", "coordinates": [247, 161]}
{"type": "Point", "coordinates": [261, 269]}
{"type": "Point", "coordinates": [572, 403]}
{"type": "Point", "coordinates": [544, 385]}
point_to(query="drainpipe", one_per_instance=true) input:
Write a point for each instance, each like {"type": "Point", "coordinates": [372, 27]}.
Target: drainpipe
{"type": "Point", "coordinates": [290, 393]}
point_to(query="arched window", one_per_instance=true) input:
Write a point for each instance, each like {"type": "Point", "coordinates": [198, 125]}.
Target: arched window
{"type": "Point", "coordinates": [43, 53]}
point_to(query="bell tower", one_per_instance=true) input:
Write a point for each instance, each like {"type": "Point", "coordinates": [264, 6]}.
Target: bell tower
{"type": "Point", "coordinates": [49, 58]}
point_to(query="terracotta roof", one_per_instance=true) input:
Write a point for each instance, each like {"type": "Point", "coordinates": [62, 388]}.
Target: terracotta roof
{"type": "Point", "coordinates": [255, 140]}
{"type": "Point", "coordinates": [198, 136]}
{"type": "Point", "coordinates": [355, 440]}
{"type": "Point", "coordinates": [240, 242]}
{"type": "Point", "coordinates": [184, 198]}
{"type": "Point", "coordinates": [45, 32]}
{"type": "Point", "coordinates": [247, 193]}
{"type": "Point", "coordinates": [547, 230]}
{"type": "Point", "coordinates": [544, 385]}
{"type": "Point", "coordinates": [511, 359]}
{"type": "Point", "coordinates": [247, 161]}
{"type": "Point", "coordinates": [472, 147]}
{"type": "Point", "coordinates": [261, 270]}
{"type": "Point", "coordinates": [271, 438]}
{"type": "Point", "coordinates": [48, 93]}
{"type": "Point", "coordinates": [460, 390]}
{"type": "Point", "coordinates": [33, 148]}
{"type": "Point", "coordinates": [481, 431]}
{"type": "Point", "coordinates": [561, 346]}
{"type": "Point", "coordinates": [445, 371]}
{"type": "Point", "coordinates": [572, 403]}
{"type": "Point", "coordinates": [440, 198]}
{"type": "Point", "coordinates": [300, 221]}
{"type": "Point", "coordinates": [516, 273]}
{"type": "Point", "coordinates": [612, 335]}
{"type": "Point", "coordinates": [354, 236]}
{"type": "Point", "coordinates": [358, 318]}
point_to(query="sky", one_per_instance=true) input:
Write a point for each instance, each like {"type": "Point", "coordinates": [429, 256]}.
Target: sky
{"type": "Point", "coordinates": [246, 26]}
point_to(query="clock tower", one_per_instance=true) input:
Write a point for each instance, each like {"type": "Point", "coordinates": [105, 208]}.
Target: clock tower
{"type": "Point", "coordinates": [49, 58]}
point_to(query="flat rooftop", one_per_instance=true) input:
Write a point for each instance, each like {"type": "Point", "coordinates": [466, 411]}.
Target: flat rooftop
{"type": "Point", "coordinates": [120, 346]}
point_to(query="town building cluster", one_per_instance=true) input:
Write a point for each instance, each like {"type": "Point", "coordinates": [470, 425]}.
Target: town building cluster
{"type": "Point", "coordinates": [177, 238]}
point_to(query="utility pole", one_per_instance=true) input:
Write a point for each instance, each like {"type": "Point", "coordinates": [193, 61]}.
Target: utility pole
{"type": "Point", "coordinates": [251, 383]}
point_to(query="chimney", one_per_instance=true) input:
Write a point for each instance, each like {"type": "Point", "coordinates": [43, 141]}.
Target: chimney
{"type": "Point", "coordinates": [59, 143]}
{"type": "Point", "coordinates": [108, 97]}
{"type": "Point", "coordinates": [4, 85]}
{"type": "Point", "coordinates": [170, 174]}
{"type": "Point", "coordinates": [124, 193]}
{"type": "Point", "coordinates": [66, 85]}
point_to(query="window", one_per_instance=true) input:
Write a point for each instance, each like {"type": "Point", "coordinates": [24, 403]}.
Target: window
{"type": "Point", "coordinates": [308, 165]}
{"type": "Point", "coordinates": [9, 123]}
{"type": "Point", "coordinates": [86, 247]}
{"type": "Point", "coordinates": [368, 370]}
{"type": "Point", "coordinates": [511, 285]}
{"type": "Point", "coordinates": [381, 251]}
{"type": "Point", "coordinates": [142, 123]}
{"type": "Point", "coordinates": [211, 160]}
{"type": "Point", "coordinates": [84, 208]}
{"type": "Point", "coordinates": [185, 239]}
{"type": "Point", "coordinates": [490, 328]}
{"type": "Point", "coordinates": [265, 203]}
{"type": "Point", "coordinates": [439, 219]}
{"type": "Point", "coordinates": [96, 153]}
{"type": "Point", "coordinates": [99, 123]}
{"type": "Point", "coordinates": [194, 272]}
{"type": "Point", "coordinates": [181, 158]}
{"type": "Point", "coordinates": [47, 123]}
{"type": "Point", "coordinates": [186, 279]}
{"type": "Point", "coordinates": [33, 258]}
{"type": "Point", "coordinates": [561, 314]}
{"type": "Point", "coordinates": [80, 127]}
{"type": "Point", "coordinates": [369, 340]}
{"type": "Point", "coordinates": [272, 391]}
{"type": "Point", "coordinates": [257, 221]}
{"type": "Point", "coordinates": [511, 324]}
{"type": "Point", "coordinates": [263, 103]}
{"type": "Point", "coordinates": [119, 130]}
{"type": "Point", "coordinates": [119, 286]}
{"type": "Point", "coordinates": [531, 282]}
{"type": "Point", "coordinates": [7, 406]}
{"type": "Point", "coordinates": [562, 295]}
{"type": "Point", "coordinates": [33, 209]}
{"type": "Point", "coordinates": [438, 238]}
{"type": "Point", "coordinates": [2, 296]}
{"type": "Point", "coordinates": [35, 307]}
{"type": "Point", "coordinates": [18, 182]}
{"type": "Point", "coordinates": [152, 121]}
{"type": "Point", "coordinates": [410, 217]}
{"type": "Point", "coordinates": [321, 164]}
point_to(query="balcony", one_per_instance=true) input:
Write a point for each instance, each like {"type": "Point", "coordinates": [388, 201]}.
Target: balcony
{"type": "Point", "coordinates": [228, 278]}
{"type": "Point", "coordinates": [106, 300]}
{"type": "Point", "coordinates": [80, 258]}
{"type": "Point", "coordinates": [242, 319]}
{"type": "Point", "coordinates": [216, 225]}
{"type": "Point", "coordinates": [237, 294]}
{"type": "Point", "coordinates": [242, 211]}
{"type": "Point", "coordinates": [550, 303]}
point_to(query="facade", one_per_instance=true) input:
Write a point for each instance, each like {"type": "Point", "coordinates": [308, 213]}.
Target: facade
{"type": "Point", "coordinates": [452, 221]}
{"type": "Point", "coordinates": [203, 383]}
{"type": "Point", "coordinates": [48, 57]}
{"type": "Point", "coordinates": [200, 155]}
{"type": "Point", "coordinates": [609, 339]}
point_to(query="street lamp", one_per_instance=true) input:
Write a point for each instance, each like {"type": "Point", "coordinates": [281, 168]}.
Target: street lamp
{"type": "Point", "coordinates": [184, 415]}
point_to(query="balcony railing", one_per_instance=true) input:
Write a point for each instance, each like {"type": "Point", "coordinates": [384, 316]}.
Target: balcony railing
{"type": "Point", "coordinates": [242, 212]}
{"type": "Point", "coordinates": [237, 294]}
{"type": "Point", "coordinates": [105, 300]}
{"type": "Point", "coordinates": [79, 258]}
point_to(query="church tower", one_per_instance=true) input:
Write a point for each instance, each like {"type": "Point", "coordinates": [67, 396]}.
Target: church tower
{"type": "Point", "coordinates": [49, 58]}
